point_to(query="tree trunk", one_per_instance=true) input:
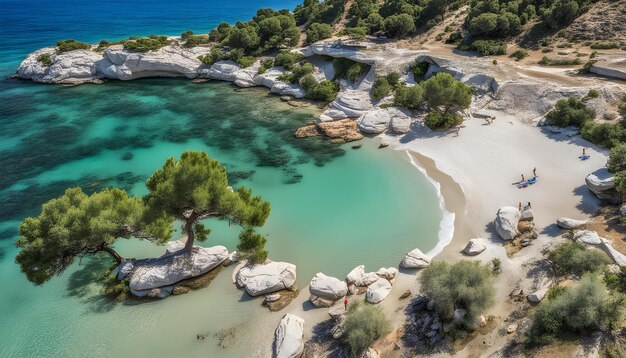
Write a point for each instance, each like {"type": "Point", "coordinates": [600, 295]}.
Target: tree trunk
{"type": "Point", "coordinates": [113, 253]}
{"type": "Point", "coordinates": [189, 231]}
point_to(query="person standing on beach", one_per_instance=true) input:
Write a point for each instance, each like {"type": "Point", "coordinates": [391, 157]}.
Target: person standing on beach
{"type": "Point", "coordinates": [345, 303]}
{"type": "Point", "coordinates": [535, 172]}
{"type": "Point", "coordinates": [523, 180]}
{"type": "Point", "coordinates": [584, 151]}
{"type": "Point", "coordinates": [520, 206]}
{"type": "Point", "coordinates": [529, 205]}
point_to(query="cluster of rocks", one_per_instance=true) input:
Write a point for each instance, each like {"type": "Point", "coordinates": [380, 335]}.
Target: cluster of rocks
{"type": "Point", "coordinates": [592, 239]}
{"type": "Point", "coordinates": [514, 225]}
{"type": "Point", "coordinates": [424, 327]}
{"type": "Point", "coordinates": [395, 119]}
{"type": "Point", "coordinates": [266, 278]}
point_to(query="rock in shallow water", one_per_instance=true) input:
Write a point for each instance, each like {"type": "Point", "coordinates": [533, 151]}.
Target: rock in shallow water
{"type": "Point", "coordinates": [288, 337]}
{"type": "Point", "coordinates": [266, 278]}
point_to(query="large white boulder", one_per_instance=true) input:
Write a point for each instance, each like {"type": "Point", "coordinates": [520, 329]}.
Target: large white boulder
{"type": "Point", "coordinates": [569, 224]}
{"type": "Point", "coordinates": [389, 273]}
{"type": "Point", "coordinates": [350, 104]}
{"type": "Point", "coordinates": [358, 277]}
{"type": "Point", "coordinates": [288, 89]}
{"type": "Point", "coordinates": [474, 247]}
{"type": "Point", "coordinates": [355, 274]}
{"type": "Point", "coordinates": [415, 259]}
{"type": "Point", "coordinates": [327, 287]}
{"type": "Point", "coordinates": [602, 184]}
{"type": "Point", "coordinates": [172, 268]}
{"type": "Point", "coordinates": [70, 67]}
{"type": "Point", "coordinates": [378, 291]}
{"type": "Point", "coordinates": [223, 70]}
{"type": "Point", "coordinates": [617, 256]}
{"type": "Point", "coordinates": [506, 222]}
{"type": "Point", "coordinates": [400, 120]}
{"type": "Point", "coordinates": [588, 237]}
{"type": "Point", "coordinates": [374, 122]}
{"type": "Point", "coordinates": [537, 296]}
{"type": "Point", "coordinates": [289, 337]}
{"type": "Point", "coordinates": [261, 279]}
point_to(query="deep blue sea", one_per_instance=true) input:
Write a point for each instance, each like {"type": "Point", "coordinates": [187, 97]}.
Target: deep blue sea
{"type": "Point", "coordinates": [333, 207]}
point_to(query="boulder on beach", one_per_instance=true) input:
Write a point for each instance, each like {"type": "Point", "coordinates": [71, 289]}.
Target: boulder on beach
{"type": "Point", "coordinates": [327, 287]}
{"type": "Point", "coordinates": [388, 273]}
{"type": "Point", "coordinates": [569, 224]}
{"type": "Point", "coordinates": [526, 215]}
{"type": "Point", "coordinates": [617, 256]}
{"type": "Point", "coordinates": [174, 267]}
{"type": "Point", "coordinates": [588, 237]}
{"type": "Point", "coordinates": [266, 278]}
{"type": "Point", "coordinates": [506, 222]}
{"type": "Point", "coordinates": [355, 274]}
{"type": "Point", "coordinates": [358, 277]}
{"type": "Point", "coordinates": [321, 301]}
{"type": "Point", "coordinates": [378, 291]}
{"type": "Point", "coordinates": [538, 295]}
{"type": "Point", "coordinates": [602, 184]}
{"type": "Point", "coordinates": [289, 337]}
{"type": "Point", "coordinates": [374, 122]}
{"type": "Point", "coordinates": [474, 247]}
{"type": "Point", "coordinates": [415, 259]}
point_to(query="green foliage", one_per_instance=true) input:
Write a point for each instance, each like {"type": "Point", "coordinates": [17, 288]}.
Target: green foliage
{"type": "Point", "coordinates": [419, 70]}
{"type": "Point", "coordinates": [287, 59]}
{"type": "Point", "coordinates": [616, 281]}
{"type": "Point", "coordinates": [146, 44]}
{"type": "Point", "coordinates": [246, 61]}
{"type": "Point", "coordinates": [559, 13]}
{"type": "Point", "coordinates": [455, 38]}
{"type": "Point", "coordinates": [489, 47]}
{"type": "Point", "coordinates": [317, 31]}
{"type": "Point", "coordinates": [251, 247]}
{"type": "Point", "coordinates": [604, 134]}
{"type": "Point", "coordinates": [325, 11]}
{"type": "Point", "coordinates": [381, 88]}
{"type": "Point", "coordinates": [585, 306]}
{"type": "Point", "coordinates": [323, 91]}
{"type": "Point", "coordinates": [220, 33]}
{"type": "Point", "coordinates": [374, 23]}
{"type": "Point", "coordinates": [573, 258]}
{"type": "Point", "coordinates": [71, 45]}
{"type": "Point", "coordinates": [570, 112]}
{"type": "Point", "coordinates": [308, 82]}
{"type": "Point", "coordinates": [593, 94]}
{"type": "Point", "coordinates": [465, 284]}
{"type": "Point", "coordinates": [185, 35]}
{"type": "Point", "coordinates": [496, 265]}
{"type": "Point", "coordinates": [437, 120]}
{"type": "Point", "coordinates": [604, 45]}
{"type": "Point", "coordinates": [44, 59]}
{"type": "Point", "coordinates": [617, 158]}
{"type": "Point", "coordinates": [399, 26]}
{"type": "Point", "coordinates": [393, 78]}
{"type": "Point", "coordinates": [346, 68]}
{"type": "Point", "coordinates": [74, 225]}
{"type": "Point", "coordinates": [620, 186]}
{"type": "Point", "coordinates": [195, 40]}
{"type": "Point", "coordinates": [194, 187]}
{"type": "Point", "coordinates": [278, 30]}
{"type": "Point", "coordinates": [519, 54]}
{"type": "Point", "coordinates": [297, 72]}
{"type": "Point", "coordinates": [364, 324]}
{"type": "Point", "coordinates": [356, 33]}
{"type": "Point", "coordinates": [244, 36]}
{"type": "Point", "coordinates": [409, 97]}
{"type": "Point", "coordinates": [495, 25]}
{"type": "Point", "coordinates": [547, 61]}
{"type": "Point", "coordinates": [362, 9]}
{"type": "Point", "coordinates": [443, 93]}
{"type": "Point", "coordinates": [216, 54]}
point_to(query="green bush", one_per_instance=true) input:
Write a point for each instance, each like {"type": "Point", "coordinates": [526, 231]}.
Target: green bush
{"type": "Point", "coordinates": [251, 247]}
{"type": "Point", "coordinates": [194, 40]}
{"type": "Point", "coordinates": [71, 45]}
{"type": "Point", "coordinates": [297, 72]}
{"type": "Point", "coordinates": [216, 54]}
{"type": "Point", "coordinates": [616, 281]}
{"type": "Point", "coordinates": [144, 44]}
{"type": "Point", "coordinates": [364, 324]}
{"type": "Point", "coordinates": [44, 59]}
{"type": "Point", "coordinates": [323, 91]}
{"type": "Point", "coordinates": [489, 47]}
{"type": "Point", "coordinates": [547, 61]}
{"type": "Point", "coordinates": [604, 45]}
{"type": "Point", "coordinates": [604, 134]}
{"type": "Point", "coordinates": [444, 94]}
{"type": "Point", "coordinates": [593, 94]}
{"type": "Point", "coordinates": [381, 88]}
{"type": "Point", "coordinates": [393, 78]}
{"type": "Point", "coordinates": [437, 120]}
{"type": "Point", "coordinates": [246, 61]}
{"type": "Point", "coordinates": [574, 258]}
{"type": "Point", "coordinates": [465, 284]}
{"type": "Point", "coordinates": [287, 59]}
{"type": "Point", "coordinates": [346, 68]}
{"type": "Point", "coordinates": [585, 306]}
{"type": "Point", "coordinates": [617, 158]}
{"type": "Point", "coordinates": [519, 54]}
{"type": "Point", "coordinates": [419, 70]}
{"type": "Point", "coordinates": [570, 112]}
{"type": "Point", "coordinates": [185, 35]}
{"type": "Point", "coordinates": [409, 97]}
{"type": "Point", "coordinates": [357, 33]}
{"type": "Point", "coordinates": [308, 82]}
{"type": "Point", "coordinates": [317, 31]}
{"type": "Point", "coordinates": [399, 26]}
{"type": "Point", "coordinates": [455, 38]}
{"type": "Point", "coordinates": [374, 23]}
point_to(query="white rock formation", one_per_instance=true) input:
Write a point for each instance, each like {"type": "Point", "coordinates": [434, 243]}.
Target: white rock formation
{"type": "Point", "coordinates": [223, 70]}
{"type": "Point", "coordinates": [350, 104]}
{"type": "Point", "coordinates": [378, 121]}
{"type": "Point", "coordinates": [617, 256]}
{"type": "Point", "coordinates": [289, 337]}
{"type": "Point", "coordinates": [328, 287]}
{"type": "Point", "coordinates": [602, 184]}
{"type": "Point", "coordinates": [265, 278]}
{"type": "Point", "coordinates": [321, 301]}
{"type": "Point", "coordinates": [356, 274]}
{"type": "Point", "coordinates": [588, 237]}
{"type": "Point", "coordinates": [474, 247]}
{"type": "Point", "coordinates": [389, 273]}
{"type": "Point", "coordinates": [69, 67]}
{"type": "Point", "coordinates": [415, 259]}
{"type": "Point", "coordinates": [506, 222]}
{"type": "Point", "coordinates": [569, 224]}
{"type": "Point", "coordinates": [378, 291]}
{"type": "Point", "coordinates": [538, 295]}
{"type": "Point", "coordinates": [400, 120]}
{"type": "Point", "coordinates": [172, 268]}
{"type": "Point", "coordinates": [526, 215]}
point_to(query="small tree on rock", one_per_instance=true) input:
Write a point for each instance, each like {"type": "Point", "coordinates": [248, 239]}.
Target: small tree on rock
{"type": "Point", "coordinates": [443, 93]}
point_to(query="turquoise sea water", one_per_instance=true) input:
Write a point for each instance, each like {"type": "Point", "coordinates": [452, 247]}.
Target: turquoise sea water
{"type": "Point", "coordinates": [332, 207]}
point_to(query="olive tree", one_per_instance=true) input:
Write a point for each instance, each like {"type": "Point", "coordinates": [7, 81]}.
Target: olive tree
{"type": "Point", "coordinates": [195, 187]}
{"type": "Point", "coordinates": [75, 225]}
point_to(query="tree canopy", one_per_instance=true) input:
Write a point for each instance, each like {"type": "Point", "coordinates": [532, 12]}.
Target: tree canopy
{"type": "Point", "coordinates": [195, 187]}
{"type": "Point", "coordinates": [443, 93]}
{"type": "Point", "coordinates": [74, 225]}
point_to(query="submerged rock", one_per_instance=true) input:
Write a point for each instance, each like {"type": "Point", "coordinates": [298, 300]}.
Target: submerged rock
{"type": "Point", "coordinates": [506, 222]}
{"type": "Point", "coordinates": [266, 278]}
{"type": "Point", "coordinates": [328, 287]}
{"type": "Point", "coordinates": [415, 259]}
{"type": "Point", "coordinates": [288, 337]}
{"type": "Point", "coordinates": [569, 224]}
{"type": "Point", "coordinates": [474, 247]}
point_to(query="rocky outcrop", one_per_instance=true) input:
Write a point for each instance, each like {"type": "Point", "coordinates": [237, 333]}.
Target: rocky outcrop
{"type": "Point", "coordinates": [328, 287]}
{"type": "Point", "coordinates": [344, 130]}
{"type": "Point", "coordinates": [388, 273]}
{"type": "Point", "coordinates": [602, 184]}
{"type": "Point", "coordinates": [538, 295]}
{"type": "Point", "coordinates": [172, 268]}
{"type": "Point", "coordinates": [378, 121]}
{"type": "Point", "coordinates": [506, 222]}
{"type": "Point", "coordinates": [569, 224]}
{"type": "Point", "coordinates": [588, 237]}
{"type": "Point", "coordinates": [349, 104]}
{"type": "Point", "coordinates": [378, 291]}
{"type": "Point", "coordinates": [618, 257]}
{"type": "Point", "coordinates": [415, 259]}
{"type": "Point", "coordinates": [474, 247]}
{"type": "Point", "coordinates": [289, 337]}
{"type": "Point", "coordinates": [71, 67]}
{"type": "Point", "coordinates": [359, 277]}
{"type": "Point", "coordinates": [265, 278]}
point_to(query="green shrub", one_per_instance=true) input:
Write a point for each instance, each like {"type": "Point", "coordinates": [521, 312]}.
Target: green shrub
{"type": "Point", "coordinates": [356, 33]}
{"type": "Point", "coordinates": [194, 40]}
{"type": "Point", "coordinates": [604, 134]}
{"type": "Point", "coordinates": [346, 68]}
{"type": "Point", "coordinates": [604, 45]}
{"type": "Point", "coordinates": [317, 31]}
{"type": "Point", "coordinates": [323, 91]}
{"type": "Point", "coordinates": [71, 45]}
{"type": "Point", "coordinates": [455, 38]}
{"type": "Point", "coordinates": [585, 306]}
{"type": "Point", "coordinates": [593, 94]}
{"type": "Point", "coordinates": [216, 54]}
{"type": "Point", "coordinates": [393, 78]}
{"type": "Point", "coordinates": [419, 70]}
{"type": "Point", "coordinates": [570, 112]}
{"type": "Point", "coordinates": [465, 284]}
{"type": "Point", "coordinates": [297, 72]}
{"type": "Point", "coordinates": [246, 61]}
{"type": "Point", "coordinates": [616, 281]}
{"type": "Point", "coordinates": [437, 120]}
{"type": "Point", "coordinates": [574, 258]}
{"type": "Point", "coordinates": [44, 59]}
{"type": "Point", "coordinates": [399, 26]}
{"type": "Point", "coordinates": [547, 61]}
{"type": "Point", "coordinates": [496, 265]}
{"type": "Point", "coordinates": [381, 88]}
{"type": "Point", "coordinates": [593, 54]}
{"type": "Point", "coordinates": [445, 94]}
{"type": "Point", "coordinates": [617, 158]}
{"type": "Point", "coordinates": [519, 54]}
{"type": "Point", "coordinates": [489, 47]}
{"type": "Point", "coordinates": [364, 324]}
{"type": "Point", "coordinates": [287, 59]}
{"type": "Point", "coordinates": [185, 35]}
{"type": "Point", "coordinates": [268, 63]}
{"type": "Point", "coordinates": [409, 97]}
{"type": "Point", "coordinates": [308, 82]}
{"type": "Point", "coordinates": [144, 44]}
{"type": "Point", "coordinates": [251, 247]}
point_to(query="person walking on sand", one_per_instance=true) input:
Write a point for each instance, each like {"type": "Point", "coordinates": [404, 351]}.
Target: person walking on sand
{"type": "Point", "coordinates": [535, 172]}
{"type": "Point", "coordinates": [345, 303]}
{"type": "Point", "coordinates": [523, 179]}
{"type": "Point", "coordinates": [529, 205]}
{"type": "Point", "coordinates": [584, 151]}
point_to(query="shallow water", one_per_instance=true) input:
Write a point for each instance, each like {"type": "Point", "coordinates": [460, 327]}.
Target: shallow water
{"type": "Point", "coordinates": [333, 207]}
